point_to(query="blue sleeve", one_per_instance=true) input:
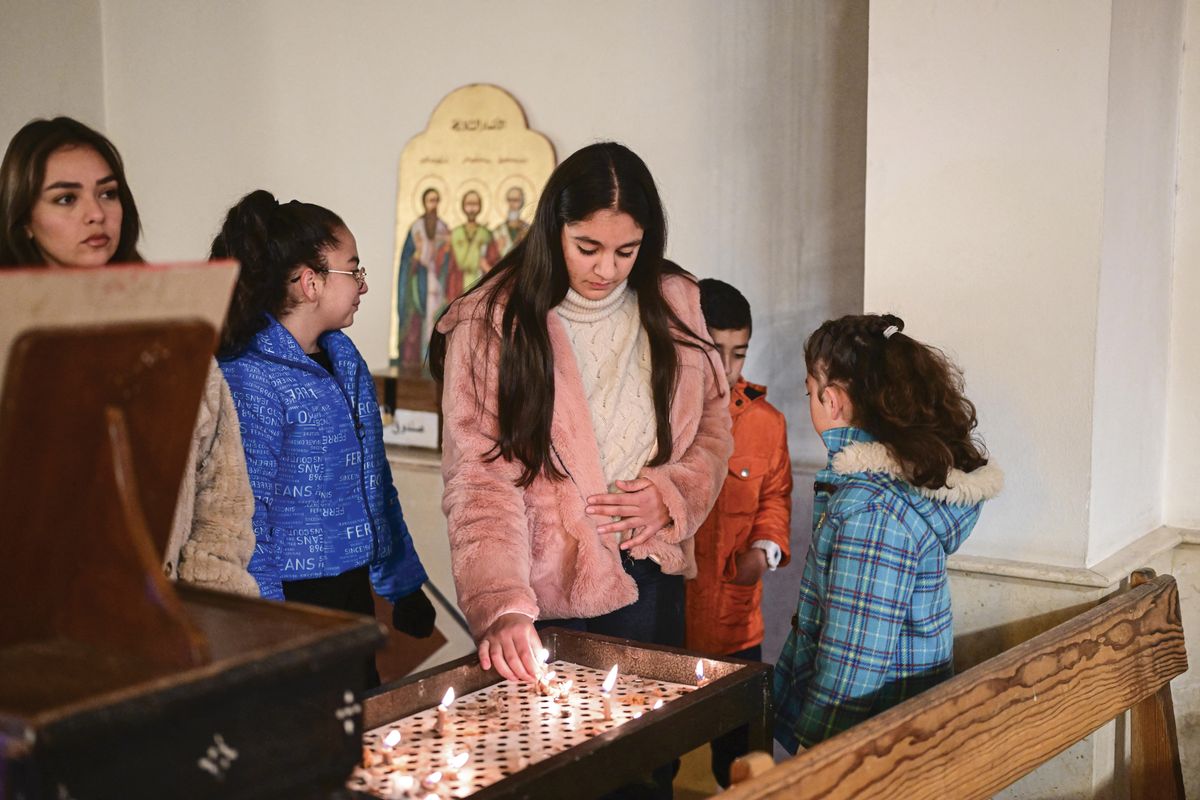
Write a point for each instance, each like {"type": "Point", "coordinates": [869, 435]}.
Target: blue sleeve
{"type": "Point", "coordinates": [398, 571]}
{"type": "Point", "coordinates": [401, 572]}
{"type": "Point", "coordinates": [261, 419]}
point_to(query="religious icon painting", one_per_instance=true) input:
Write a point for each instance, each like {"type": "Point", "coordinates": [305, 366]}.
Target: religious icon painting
{"type": "Point", "coordinates": [468, 187]}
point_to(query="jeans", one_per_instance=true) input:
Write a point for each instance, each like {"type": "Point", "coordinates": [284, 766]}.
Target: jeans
{"type": "Point", "coordinates": [656, 617]}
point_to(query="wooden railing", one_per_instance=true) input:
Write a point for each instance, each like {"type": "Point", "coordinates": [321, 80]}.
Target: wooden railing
{"type": "Point", "coordinates": [985, 728]}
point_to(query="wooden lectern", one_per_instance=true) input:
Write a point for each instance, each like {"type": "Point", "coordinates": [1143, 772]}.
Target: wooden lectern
{"type": "Point", "coordinates": [114, 681]}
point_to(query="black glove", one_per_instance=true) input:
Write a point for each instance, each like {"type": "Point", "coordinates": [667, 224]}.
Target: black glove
{"type": "Point", "coordinates": [414, 614]}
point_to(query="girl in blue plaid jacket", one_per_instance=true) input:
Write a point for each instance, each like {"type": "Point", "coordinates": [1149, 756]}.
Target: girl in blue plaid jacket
{"type": "Point", "coordinates": [902, 489]}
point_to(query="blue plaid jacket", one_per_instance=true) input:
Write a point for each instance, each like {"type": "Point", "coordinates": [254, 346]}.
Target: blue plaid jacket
{"type": "Point", "coordinates": [324, 501]}
{"type": "Point", "coordinates": [873, 624]}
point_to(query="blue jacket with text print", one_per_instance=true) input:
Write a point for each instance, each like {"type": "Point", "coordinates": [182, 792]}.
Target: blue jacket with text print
{"type": "Point", "coordinates": [324, 501]}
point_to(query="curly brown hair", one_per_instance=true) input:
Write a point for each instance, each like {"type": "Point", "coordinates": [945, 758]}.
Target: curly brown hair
{"type": "Point", "coordinates": [906, 394]}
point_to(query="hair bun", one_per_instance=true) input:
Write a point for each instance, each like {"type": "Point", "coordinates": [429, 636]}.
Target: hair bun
{"type": "Point", "coordinates": [888, 325]}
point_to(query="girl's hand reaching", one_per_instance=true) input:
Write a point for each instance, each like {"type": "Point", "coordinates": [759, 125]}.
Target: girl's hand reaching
{"type": "Point", "coordinates": [510, 645]}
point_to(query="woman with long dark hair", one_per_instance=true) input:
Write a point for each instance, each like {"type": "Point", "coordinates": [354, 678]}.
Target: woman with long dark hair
{"type": "Point", "coordinates": [586, 431]}
{"type": "Point", "coordinates": [64, 202]}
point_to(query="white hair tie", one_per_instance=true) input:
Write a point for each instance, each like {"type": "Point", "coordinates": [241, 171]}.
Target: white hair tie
{"type": "Point", "coordinates": [889, 330]}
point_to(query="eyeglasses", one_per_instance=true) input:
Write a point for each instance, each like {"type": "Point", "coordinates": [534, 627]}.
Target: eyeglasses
{"type": "Point", "coordinates": [359, 275]}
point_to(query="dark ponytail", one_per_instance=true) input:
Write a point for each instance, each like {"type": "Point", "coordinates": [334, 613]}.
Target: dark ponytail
{"type": "Point", "coordinates": [270, 240]}
{"type": "Point", "coordinates": [906, 394]}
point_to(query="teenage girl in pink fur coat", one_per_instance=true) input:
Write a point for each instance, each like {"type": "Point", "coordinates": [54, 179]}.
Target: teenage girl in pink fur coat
{"type": "Point", "coordinates": [586, 422]}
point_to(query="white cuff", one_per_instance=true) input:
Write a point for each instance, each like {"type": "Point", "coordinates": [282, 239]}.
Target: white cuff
{"type": "Point", "coordinates": [773, 551]}
{"type": "Point", "coordinates": [531, 616]}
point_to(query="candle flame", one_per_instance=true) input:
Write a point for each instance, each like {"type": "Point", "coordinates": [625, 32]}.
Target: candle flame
{"type": "Point", "coordinates": [402, 783]}
{"type": "Point", "coordinates": [392, 739]}
{"type": "Point", "coordinates": [549, 676]}
{"type": "Point", "coordinates": [432, 779]}
{"type": "Point", "coordinates": [566, 686]}
{"type": "Point", "coordinates": [448, 698]}
{"type": "Point", "coordinates": [543, 655]}
{"type": "Point", "coordinates": [610, 681]}
{"type": "Point", "coordinates": [699, 669]}
{"type": "Point", "coordinates": [657, 705]}
{"type": "Point", "coordinates": [457, 760]}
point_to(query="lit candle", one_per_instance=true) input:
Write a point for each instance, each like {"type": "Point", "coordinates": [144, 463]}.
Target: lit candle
{"type": "Point", "coordinates": [401, 786]}
{"type": "Point", "coordinates": [543, 657]}
{"type": "Point", "coordinates": [442, 710]}
{"type": "Point", "coordinates": [432, 779]}
{"type": "Point", "coordinates": [456, 762]}
{"type": "Point", "coordinates": [606, 692]}
{"type": "Point", "coordinates": [700, 679]}
{"type": "Point", "coordinates": [657, 705]}
{"type": "Point", "coordinates": [564, 691]}
{"type": "Point", "coordinates": [392, 739]}
{"type": "Point", "coordinates": [543, 687]}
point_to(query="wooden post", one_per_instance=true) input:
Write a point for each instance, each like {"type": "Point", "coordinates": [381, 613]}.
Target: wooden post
{"type": "Point", "coordinates": [1156, 772]}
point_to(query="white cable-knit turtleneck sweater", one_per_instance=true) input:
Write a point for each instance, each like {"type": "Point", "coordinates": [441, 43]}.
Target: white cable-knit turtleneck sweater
{"type": "Point", "coordinates": [613, 353]}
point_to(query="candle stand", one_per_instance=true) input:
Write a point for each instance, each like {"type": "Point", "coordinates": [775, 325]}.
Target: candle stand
{"type": "Point", "coordinates": [114, 681]}
{"type": "Point", "coordinates": [501, 739]}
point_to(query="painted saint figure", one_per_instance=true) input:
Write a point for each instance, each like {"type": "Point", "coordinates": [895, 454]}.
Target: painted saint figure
{"type": "Point", "coordinates": [472, 248]}
{"type": "Point", "coordinates": [421, 280]}
{"type": "Point", "coordinates": [508, 233]}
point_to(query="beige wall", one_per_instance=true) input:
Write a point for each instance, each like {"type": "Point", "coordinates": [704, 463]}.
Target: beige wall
{"type": "Point", "coordinates": [1133, 327]}
{"type": "Point", "coordinates": [1021, 164]}
{"type": "Point", "coordinates": [1183, 415]}
{"type": "Point", "coordinates": [750, 115]}
{"type": "Point", "coordinates": [985, 176]}
{"type": "Point", "coordinates": [50, 62]}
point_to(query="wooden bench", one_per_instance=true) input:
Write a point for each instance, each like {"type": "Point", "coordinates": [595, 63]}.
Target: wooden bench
{"type": "Point", "coordinates": [996, 722]}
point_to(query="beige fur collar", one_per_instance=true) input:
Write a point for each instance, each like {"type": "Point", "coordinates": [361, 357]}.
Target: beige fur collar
{"type": "Point", "coordinates": [962, 488]}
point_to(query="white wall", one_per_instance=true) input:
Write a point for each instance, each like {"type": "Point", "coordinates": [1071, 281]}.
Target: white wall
{"type": "Point", "coordinates": [50, 62]}
{"type": "Point", "coordinates": [1129, 419]}
{"type": "Point", "coordinates": [750, 115]}
{"type": "Point", "coordinates": [985, 177]}
{"type": "Point", "coordinates": [1183, 412]}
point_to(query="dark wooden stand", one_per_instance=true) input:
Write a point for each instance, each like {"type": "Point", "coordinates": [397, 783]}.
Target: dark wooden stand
{"type": "Point", "coordinates": [737, 693]}
{"type": "Point", "coordinates": [116, 682]}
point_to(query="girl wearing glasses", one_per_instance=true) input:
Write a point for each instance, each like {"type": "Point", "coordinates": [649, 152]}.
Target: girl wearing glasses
{"type": "Point", "coordinates": [327, 519]}
{"type": "Point", "coordinates": [64, 202]}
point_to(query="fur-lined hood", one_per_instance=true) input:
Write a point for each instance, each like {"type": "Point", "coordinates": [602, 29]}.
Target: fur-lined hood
{"type": "Point", "coordinates": [961, 489]}
{"type": "Point", "coordinates": [949, 513]}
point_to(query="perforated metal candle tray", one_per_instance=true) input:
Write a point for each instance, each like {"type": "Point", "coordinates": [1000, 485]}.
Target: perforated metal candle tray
{"type": "Point", "coordinates": [503, 739]}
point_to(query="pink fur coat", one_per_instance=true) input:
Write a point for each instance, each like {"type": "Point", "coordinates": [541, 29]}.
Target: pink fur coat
{"type": "Point", "coordinates": [535, 550]}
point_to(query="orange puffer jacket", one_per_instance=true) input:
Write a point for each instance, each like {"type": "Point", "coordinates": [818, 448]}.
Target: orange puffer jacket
{"type": "Point", "coordinates": [755, 503]}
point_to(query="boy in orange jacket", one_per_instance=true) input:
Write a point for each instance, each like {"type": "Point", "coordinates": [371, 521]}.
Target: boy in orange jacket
{"type": "Point", "coordinates": [747, 532]}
